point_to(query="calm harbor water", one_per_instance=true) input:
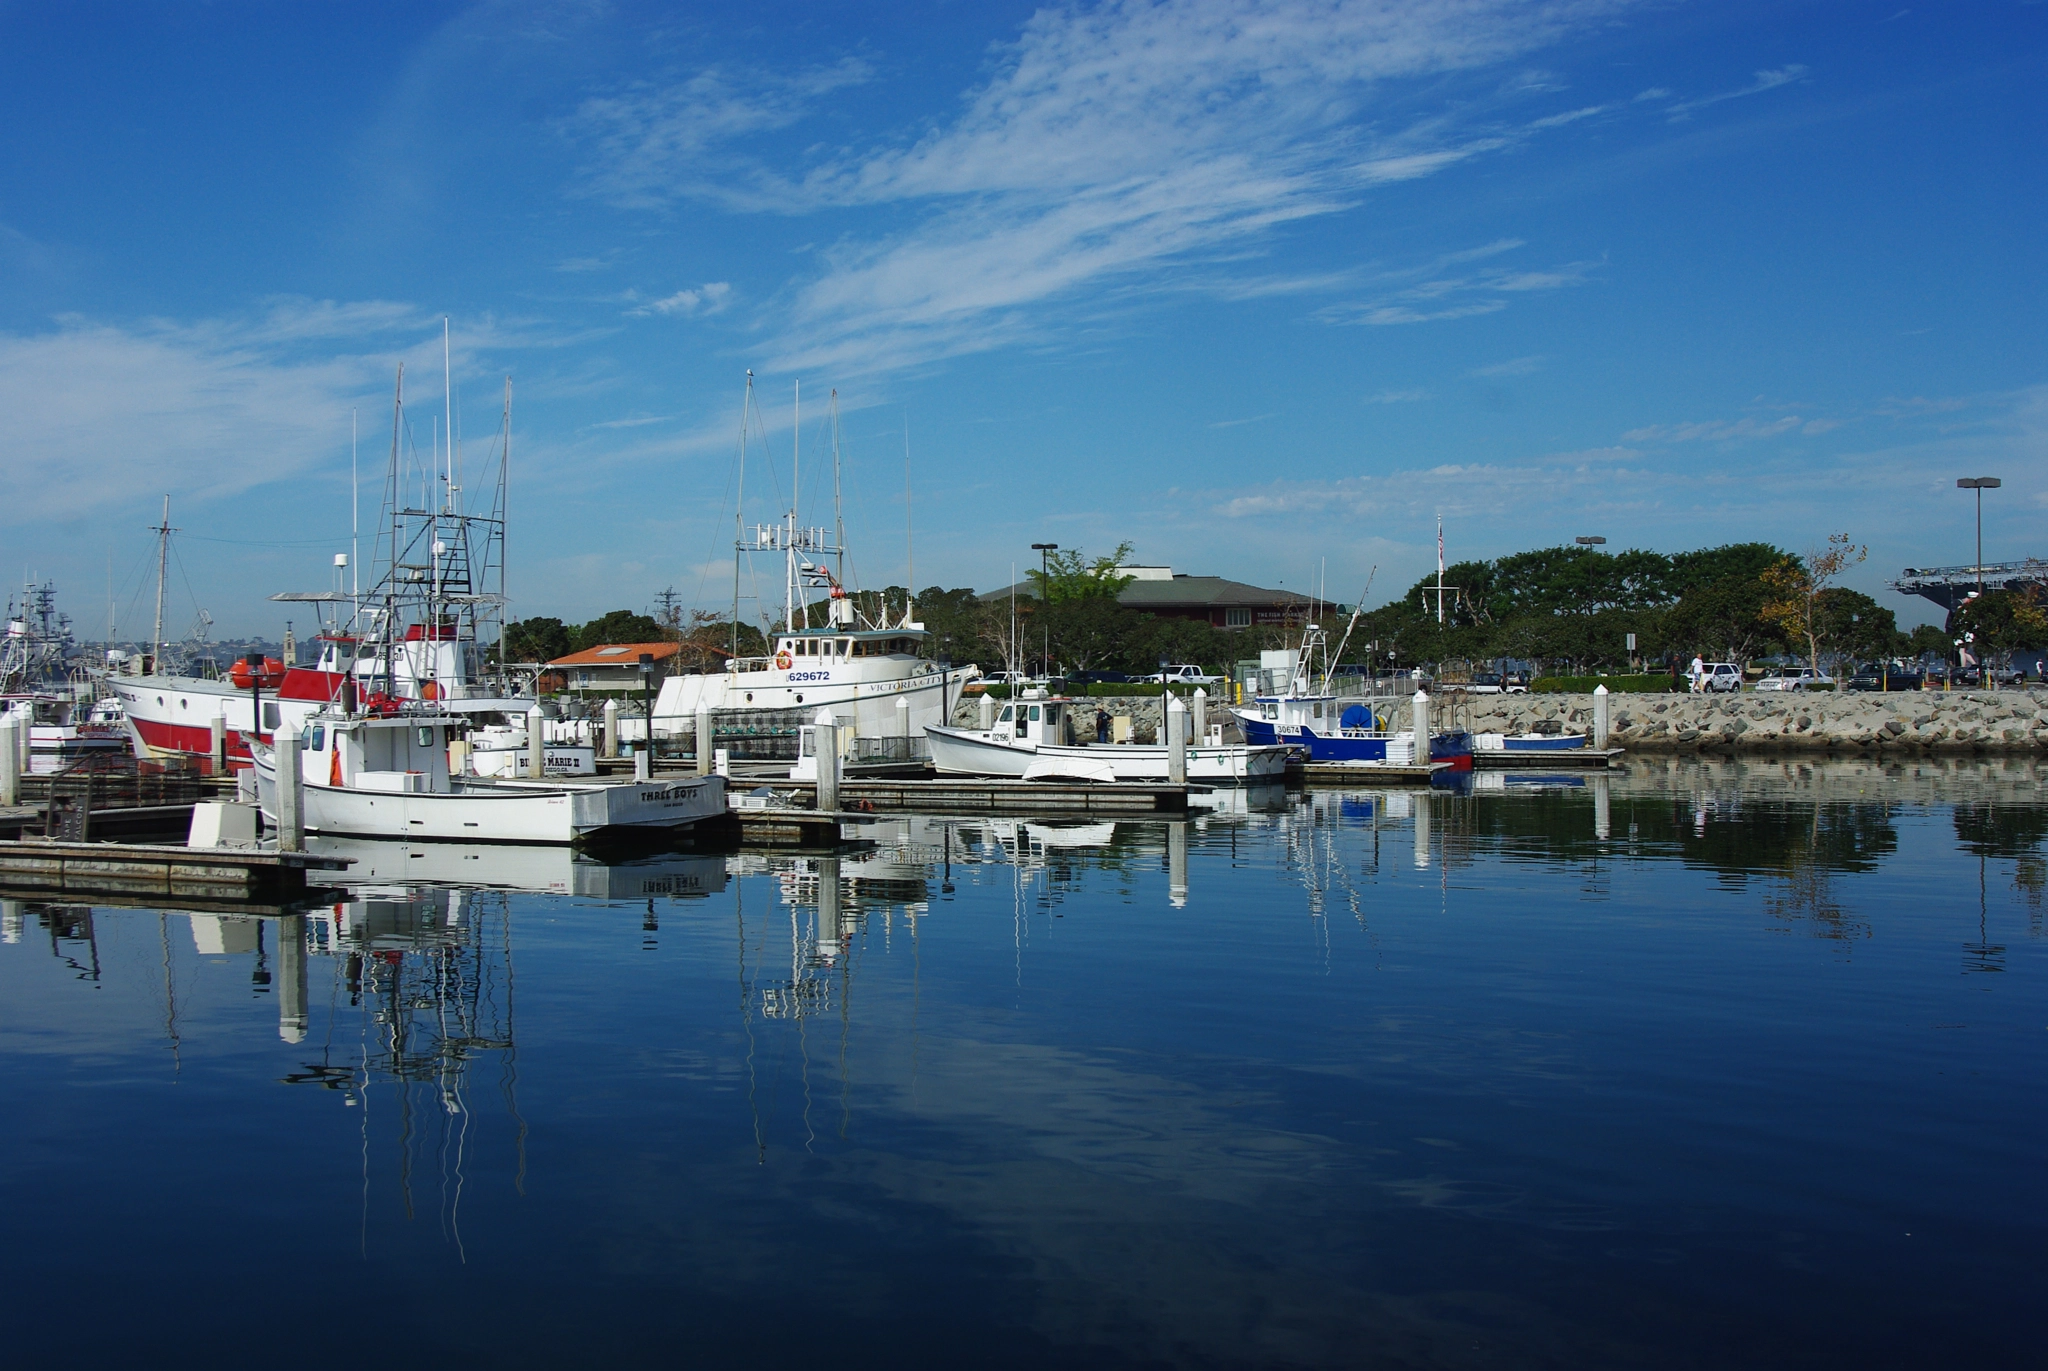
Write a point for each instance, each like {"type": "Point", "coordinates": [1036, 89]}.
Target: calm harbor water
{"type": "Point", "coordinates": [1706, 1065]}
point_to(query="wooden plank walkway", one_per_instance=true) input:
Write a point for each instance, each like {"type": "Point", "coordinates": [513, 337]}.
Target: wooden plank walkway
{"type": "Point", "coordinates": [227, 874]}
{"type": "Point", "coordinates": [1567, 759]}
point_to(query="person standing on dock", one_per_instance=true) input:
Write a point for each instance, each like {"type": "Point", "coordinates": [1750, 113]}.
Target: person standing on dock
{"type": "Point", "coordinates": [1671, 661]}
{"type": "Point", "coordinates": [1699, 673]}
{"type": "Point", "coordinates": [1101, 724]}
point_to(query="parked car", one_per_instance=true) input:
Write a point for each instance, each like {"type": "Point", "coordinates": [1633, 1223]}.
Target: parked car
{"type": "Point", "coordinates": [1797, 678]}
{"type": "Point", "coordinates": [1184, 673]}
{"type": "Point", "coordinates": [1884, 676]}
{"type": "Point", "coordinates": [1493, 683]}
{"type": "Point", "coordinates": [1722, 678]}
{"type": "Point", "coordinates": [1089, 678]}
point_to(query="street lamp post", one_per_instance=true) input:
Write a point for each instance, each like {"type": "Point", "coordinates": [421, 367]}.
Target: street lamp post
{"type": "Point", "coordinates": [1980, 484]}
{"type": "Point", "coordinates": [1044, 551]}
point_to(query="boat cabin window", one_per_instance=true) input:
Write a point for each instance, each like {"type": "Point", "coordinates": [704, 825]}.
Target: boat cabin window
{"type": "Point", "coordinates": [845, 645]}
{"type": "Point", "coordinates": [317, 741]}
{"type": "Point", "coordinates": [1005, 716]}
{"type": "Point", "coordinates": [425, 734]}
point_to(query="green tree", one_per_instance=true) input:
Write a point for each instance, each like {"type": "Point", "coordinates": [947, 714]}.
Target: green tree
{"type": "Point", "coordinates": [538, 640]}
{"type": "Point", "coordinates": [1926, 638]}
{"type": "Point", "coordinates": [619, 626]}
{"type": "Point", "coordinates": [1850, 622]}
{"type": "Point", "coordinates": [2001, 621]}
{"type": "Point", "coordinates": [1070, 575]}
{"type": "Point", "coordinates": [1794, 588]}
{"type": "Point", "coordinates": [953, 619]}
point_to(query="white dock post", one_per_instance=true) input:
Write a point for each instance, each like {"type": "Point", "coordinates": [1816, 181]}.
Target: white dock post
{"type": "Point", "coordinates": [903, 723]}
{"type": "Point", "coordinates": [291, 792]}
{"type": "Point", "coordinates": [1422, 830]}
{"type": "Point", "coordinates": [536, 753]}
{"type": "Point", "coordinates": [985, 713]}
{"type": "Point", "coordinates": [1176, 741]}
{"type": "Point", "coordinates": [827, 735]}
{"type": "Point", "coordinates": [24, 743]}
{"type": "Point", "coordinates": [643, 763]}
{"type": "Point", "coordinates": [703, 740]}
{"type": "Point", "coordinates": [1177, 863]}
{"type": "Point", "coordinates": [1422, 730]}
{"type": "Point", "coordinates": [218, 747]}
{"type": "Point", "coordinates": [10, 764]}
{"type": "Point", "coordinates": [1600, 716]}
{"type": "Point", "coordinates": [291, 978]}
{"type": "Point", "coordinates": [611, 728]}
{"type": "Point", "coordinates": [1201, 715]}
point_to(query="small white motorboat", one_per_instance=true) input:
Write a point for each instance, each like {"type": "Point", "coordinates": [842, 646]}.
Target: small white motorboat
{"type": "Point", "coordinates": [1027, 741]}
{"type": "Point", "coordinates": [388, 777]}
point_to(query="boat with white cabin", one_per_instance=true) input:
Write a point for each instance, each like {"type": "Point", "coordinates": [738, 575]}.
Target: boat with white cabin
{"type": "Point", "coordinates": [375, 776]}
{"type": "Point", "coordinates": [1030, 740]}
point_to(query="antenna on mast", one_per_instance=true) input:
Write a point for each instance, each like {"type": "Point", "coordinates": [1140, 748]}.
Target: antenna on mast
{"type": "Point", "coordinates": [739, 506]}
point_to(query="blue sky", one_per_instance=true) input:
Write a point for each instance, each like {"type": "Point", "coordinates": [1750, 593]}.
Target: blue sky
{"type": "Point", "coordinates": [1261, 288]}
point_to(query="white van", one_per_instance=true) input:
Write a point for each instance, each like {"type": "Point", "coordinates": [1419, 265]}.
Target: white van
{"type": "Point", "coordinates": [1721, 678]}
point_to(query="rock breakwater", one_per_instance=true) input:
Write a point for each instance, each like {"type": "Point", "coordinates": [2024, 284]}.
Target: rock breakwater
{"type": "Point", "coordinates": [1906, 721]}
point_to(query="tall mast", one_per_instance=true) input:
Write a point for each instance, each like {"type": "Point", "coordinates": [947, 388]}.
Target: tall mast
{"type": "Point", "coordinates": [1439, 568]}
{"type": "Point", "coordinates": [789, 591]}
{"type": "Point", "coordinates": [395, 487]}
{"type": "Point", "coordinates": [909, 548]}
{"type": "Point", "coordinates": [838, 513]}
{"type": "Point", "coordinates": [447, 416]}
{"type": "Point", "coordinates": [504, 527]}
{"type": "Point", "coordinates": [355, 534]}
{"type": "Point", "coordinates": [163, 558]}
{"type": "Point", "coordinates": [739, 507]}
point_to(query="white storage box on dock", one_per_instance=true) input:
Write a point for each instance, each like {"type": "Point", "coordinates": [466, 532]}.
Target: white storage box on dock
{"type": "Point", "coordinates": [216, 823]}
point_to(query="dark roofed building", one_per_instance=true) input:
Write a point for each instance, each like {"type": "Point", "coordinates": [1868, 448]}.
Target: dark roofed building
{"type": "Point", "coordinates": [1211, 599]}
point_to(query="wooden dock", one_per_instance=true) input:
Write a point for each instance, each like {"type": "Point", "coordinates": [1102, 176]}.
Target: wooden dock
{"type": "Point", "coordinates": [863, 798]}
{"type": "Point", "coordinates": [34, 868]}
{"type": "Point", "coordinates": [1564, 759]}
{"type": "Point", "coordinates": [1364, 773]}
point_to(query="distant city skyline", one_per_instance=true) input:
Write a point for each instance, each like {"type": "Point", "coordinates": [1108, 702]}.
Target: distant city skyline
{"type": "Point", "coordinates": [1263, 289]}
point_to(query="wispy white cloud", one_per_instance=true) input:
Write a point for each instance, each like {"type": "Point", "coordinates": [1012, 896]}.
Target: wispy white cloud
{"type": "Point", "coordinates": [1238, 423]}
{"type": "Point", "coordinates": [1714, 430]}
{"type": "Point", "coordinates": [1515, 366]}
{"type": "Point", "coordinates": [1396, 397]}
{"type": "Point", "coordinates": [1765, 80]}
{"type": "Point", "coordinates": [101, 413]}
{"type": "Point", "coordinates": [1434, 293]}
{"type": "Point", "coordinates": [709, 298]}
{"type": "Point", "coordinates": [1110, 141]}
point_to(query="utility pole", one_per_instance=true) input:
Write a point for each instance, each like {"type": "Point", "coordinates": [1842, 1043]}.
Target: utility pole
{"type": "Point", "coordinates": [1044, 551]}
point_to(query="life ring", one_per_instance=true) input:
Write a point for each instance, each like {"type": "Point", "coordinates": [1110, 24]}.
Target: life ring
{"type": "Point", "coordinates": [783, 660]}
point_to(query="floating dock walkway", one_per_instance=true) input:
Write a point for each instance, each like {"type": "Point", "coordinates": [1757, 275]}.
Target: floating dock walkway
{"type": "Point", "coordinates": [35, 867]}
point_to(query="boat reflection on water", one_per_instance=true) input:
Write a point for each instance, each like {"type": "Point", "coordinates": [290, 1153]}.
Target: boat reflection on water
{"type": "Point", "coordinates": [540, 869]}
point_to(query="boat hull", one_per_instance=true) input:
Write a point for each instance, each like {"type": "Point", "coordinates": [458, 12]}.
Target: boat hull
{"type": "Point", "coordinates": [502, 812]}
{"type": "Point", "coordinates": [1454, 748]}
{"type": "Point", "coordinates": [962, 752]}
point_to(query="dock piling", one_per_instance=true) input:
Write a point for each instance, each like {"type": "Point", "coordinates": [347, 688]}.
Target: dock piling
{"type": "Point", "coordinates": [704, 749]}
{"type": "Point", "coordinates": [291, 793]}
{"type": "Point", "coordinates": [217, 746]}
{"type": "Point", "coordinates": [985, 713]}
{"type": "Point", "coordinates": [1200, 714]}
{"type": "Point", "coordinates": [1176, 741]}
{"type": "Point", "coordinates": [1600, 706]}
{"type": "Point", "coordinates": [10, 765]}
{"type": "Point", "coordinates": [826, 734]}
{"type": "Point", "coordinates": [536, 756]}
{"type": "Point", "coordinates": [1421, 728]}
{"type": "Point", "coordinates": [611, 728]}
{"type": "Point", "coordinates": [643, 763]}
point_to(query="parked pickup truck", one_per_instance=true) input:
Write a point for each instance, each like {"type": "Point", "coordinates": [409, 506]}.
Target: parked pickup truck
{"type": "Point", "coordinates": [1186, 673]}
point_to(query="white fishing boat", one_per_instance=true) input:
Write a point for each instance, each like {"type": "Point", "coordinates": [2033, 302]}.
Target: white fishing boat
{"type": "Point", "coordinates": [423, 631]}
{"type": "Point", "coordinates": [1028, 741]}
{"type": "Point", "coordinates": [388, 777]}
{"type": "Point", "coordinates": [61, 730]}
{"type": "Point", "coordinates": [859, 667]}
